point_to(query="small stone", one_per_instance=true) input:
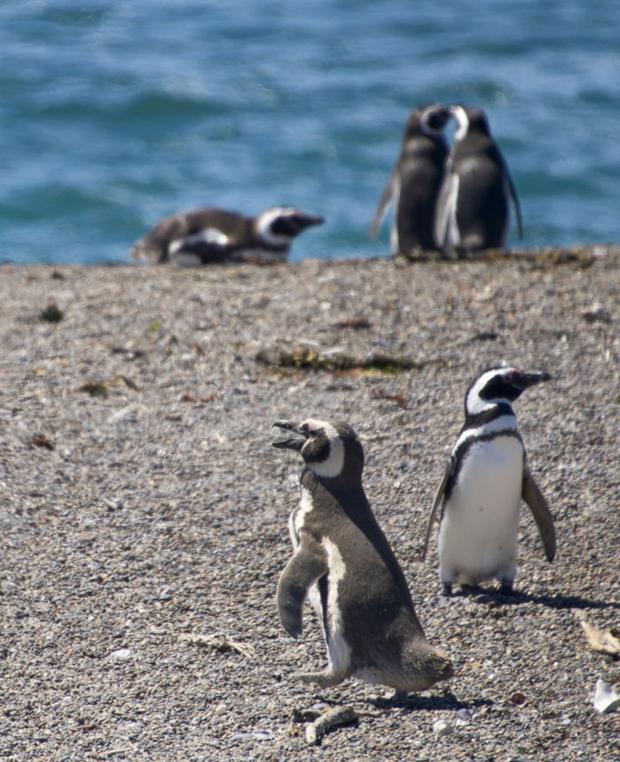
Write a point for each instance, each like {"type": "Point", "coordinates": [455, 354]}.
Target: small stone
{"type": "Point", "coordinates": [132, 728]}
{"type": "Point", "coordinates": [442, 728]}
{"type": "Point", "coordinates": [113, 504]}
{"type": "Point", "coordinates": [518, 698]}
{"type": "Point", "coordinates": [605, 697]}
{"type": "Point", "coordinates": [596, 314]}
{"type": "Point", "coordinates": [125, 415]}
{"type": "Point", "coordinates": [255, 735]}
{"type": "Point", "coordinates": [121, 654]}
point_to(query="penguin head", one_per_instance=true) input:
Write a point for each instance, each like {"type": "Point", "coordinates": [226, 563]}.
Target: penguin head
{"type": "Point", "coordinates": [504, 383]}
{"type": "Point", "coordinates": [427, 120]}
{"type": "Point", "coordinates": [469, 120]}
{"type": "Point", "coordinates": [279, 225]}
{"type": "Point", "coordinates": [329, 450]}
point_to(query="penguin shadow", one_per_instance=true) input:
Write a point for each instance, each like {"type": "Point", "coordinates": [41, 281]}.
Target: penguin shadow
{"type": "Point", "coordinates": [494, 598]}
{"type": "Point", "coordinates": [416, 703]}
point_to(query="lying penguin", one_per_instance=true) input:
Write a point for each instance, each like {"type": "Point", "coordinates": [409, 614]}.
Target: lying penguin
{"type": "Point", "coordinates": [207, 236]}
{"type": "Point", "coordinates": [344, 564]}
{"type": "Point", "coordinates": [486, 478]}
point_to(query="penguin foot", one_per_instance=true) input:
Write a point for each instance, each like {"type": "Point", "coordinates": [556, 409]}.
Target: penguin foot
{"type": "Point", "coordinates": [506, 586]}
{"type": "Point", "coordinates": [397, 699]}
{"type": "Point", "coordinates": [446, 588]}
{"type": "Point", "coordinates": [324, 679]}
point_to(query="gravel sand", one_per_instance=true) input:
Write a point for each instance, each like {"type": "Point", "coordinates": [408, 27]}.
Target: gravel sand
{"type": "Point", "coordinates": [144, 512]}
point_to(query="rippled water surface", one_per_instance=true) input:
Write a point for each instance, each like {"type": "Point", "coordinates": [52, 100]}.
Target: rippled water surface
{"type": "Point", "coordinates": [114, 114]}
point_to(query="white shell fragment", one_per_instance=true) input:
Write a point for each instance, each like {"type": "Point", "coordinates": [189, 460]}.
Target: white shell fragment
{"type": "Point", "coordinates": [605, 697]}
{"type": "Point", "coordinates": [441, 728]}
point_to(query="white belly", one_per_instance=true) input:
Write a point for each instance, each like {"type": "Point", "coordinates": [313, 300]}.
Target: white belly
{"type": "Point", "coordinates": [478, 534]}
{"type": "Point", "coordinates": [339, 652]}
{"type": "Point", "coordinates": [295, 524]}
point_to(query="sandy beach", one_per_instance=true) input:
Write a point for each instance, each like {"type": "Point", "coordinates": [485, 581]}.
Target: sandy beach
{"type": "Point", "coordinates": [144, 513]}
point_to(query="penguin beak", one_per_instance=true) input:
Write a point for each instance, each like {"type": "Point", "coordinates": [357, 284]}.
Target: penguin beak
{"type": "Point", "coordinates": [531, 379]}
{"type": "Point", "coordinates": [295, 440]}
{"type": "Point", "coordinates": [304, 221]}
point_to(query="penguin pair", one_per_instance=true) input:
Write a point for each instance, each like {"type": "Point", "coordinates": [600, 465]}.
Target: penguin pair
{"type": "Point", "coordinates": [343, 562]}
{"type": "Point", "coordinates": [455, 201]}
{"type": "Point", "coordinates": [208, 236]}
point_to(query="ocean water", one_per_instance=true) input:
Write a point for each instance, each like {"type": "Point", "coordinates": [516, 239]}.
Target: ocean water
{"type": "Point", "coordinates": [115, 113]}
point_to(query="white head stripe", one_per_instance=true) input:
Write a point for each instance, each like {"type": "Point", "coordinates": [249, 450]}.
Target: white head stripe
{"type": "Point", "coordinates": [462, 121]}
{"type": "Point", "coordinates": [426, 127]}
{"type": "Point", "coordinates": [266, 219]}
{"type": "Point", "coordinates": [335, 462]}
{"type": "Point", "coordinates": [474, 403]}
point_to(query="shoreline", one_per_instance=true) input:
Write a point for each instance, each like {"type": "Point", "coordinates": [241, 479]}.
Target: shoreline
{"type": "Point", "coordinates": [555, 254]}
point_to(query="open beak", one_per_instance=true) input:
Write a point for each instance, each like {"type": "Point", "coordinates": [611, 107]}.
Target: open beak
{"type": "Point", "coordinates": [295, 438]}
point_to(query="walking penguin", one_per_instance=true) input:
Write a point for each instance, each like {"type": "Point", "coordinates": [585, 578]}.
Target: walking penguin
{"type": "Point", "coordinates": [344, 564]}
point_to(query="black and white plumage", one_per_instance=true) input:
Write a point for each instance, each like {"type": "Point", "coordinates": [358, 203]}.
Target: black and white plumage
{"type": "Point", "coordinates": [206, 236]}
{"type": "Point", "coordinates": [486, 478]}
{"type": "Point", "coordinates": [343, 563]}
{"type": "Point", "coordinates": [414, 184]}
{"type": "Point", "coordinates": [473, 208]}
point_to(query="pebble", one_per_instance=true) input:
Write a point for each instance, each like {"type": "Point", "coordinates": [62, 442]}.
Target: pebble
{"type": "Point", "coordinates": [121, 654]}
{"type": "Point", "coordinates": [605, 697]}
{"type": "Point", "coordinates": [442, 728]}
{"type": "Point", "coordinates": [255, 735]}
{"type": "Point", "coordinates": [125, 415]}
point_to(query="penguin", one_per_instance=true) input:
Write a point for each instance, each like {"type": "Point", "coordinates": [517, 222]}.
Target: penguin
{"type": "Point", "coordinates": [414, 184]}
{"type": "Point", "coordinates": [473, 206]}
{"type": "Point", "coordinates": [206, 236]}
{"type": "Point", "coordinates": [486, 478]}
{"type": "Point", "coordinates": [343, 563]}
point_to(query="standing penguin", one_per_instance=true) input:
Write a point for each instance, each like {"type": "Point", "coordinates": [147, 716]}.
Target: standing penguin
{"type": "Point", "coordinates": [206, 236]}
{"type": "Point", "coordinates": [415, 181]}
{"type": "Point", "coordinates": [344, 564]}
{"type": "Point", "coordinates": [481, 491]}
{"type": "Point", "coordinates": [473, 205]}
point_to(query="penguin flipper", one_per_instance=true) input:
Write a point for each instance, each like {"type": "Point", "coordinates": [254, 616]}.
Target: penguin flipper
{"type": "Point", "coordinates": [445, 209]}
{"type": "Point", "coordinates": [536, 502]}
{"type": "Point", "coordinates": [439, 499]}
{"type": "Point", "coordinates": [516, 203]}
{"type": "Point", "coordinates": [307, 565]}
{"type": "Point", "coordinates": [387, 198]}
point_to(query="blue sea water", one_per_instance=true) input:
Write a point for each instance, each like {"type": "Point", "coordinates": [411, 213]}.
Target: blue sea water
{"type": "Point", "coordinates": [115, 113]}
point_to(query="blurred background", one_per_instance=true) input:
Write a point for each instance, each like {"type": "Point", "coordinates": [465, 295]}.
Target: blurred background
{"type": "Point", "coordinates": [116, 113]}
